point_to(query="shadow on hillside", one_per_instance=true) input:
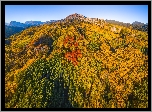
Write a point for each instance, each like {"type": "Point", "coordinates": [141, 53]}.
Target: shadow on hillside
{"type": "Point", "coordinates": [59, 96]}
{"type": "Point", "coordinates": [46, 40]}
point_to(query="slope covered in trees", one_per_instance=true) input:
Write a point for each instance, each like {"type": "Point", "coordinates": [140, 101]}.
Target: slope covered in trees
{"type": "Point", "coordinates": [77, 64]}
{"type": "Point", "coordinates": [10, 30]}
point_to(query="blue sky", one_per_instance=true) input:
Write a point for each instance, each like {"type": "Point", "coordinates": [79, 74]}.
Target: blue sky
{"type": "Point", "coordinates": [122, 13]}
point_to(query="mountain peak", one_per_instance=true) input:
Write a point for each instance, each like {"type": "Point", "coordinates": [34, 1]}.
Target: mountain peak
{"type": "Point", "coordinates": [74, 16]}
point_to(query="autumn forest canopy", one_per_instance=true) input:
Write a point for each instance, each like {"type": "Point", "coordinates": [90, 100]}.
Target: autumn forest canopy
{"type": "Point", "coordinates": [77, 63]}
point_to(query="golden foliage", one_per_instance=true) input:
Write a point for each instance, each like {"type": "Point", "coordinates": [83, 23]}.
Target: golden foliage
{"type": "Point", "coordinates": [108, 69]}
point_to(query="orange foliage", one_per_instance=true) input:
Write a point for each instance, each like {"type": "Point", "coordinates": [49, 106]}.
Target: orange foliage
{"type": "Point", "coordinates": [69, 41]}
{"type": "Point", "coordinates": [72, 56]}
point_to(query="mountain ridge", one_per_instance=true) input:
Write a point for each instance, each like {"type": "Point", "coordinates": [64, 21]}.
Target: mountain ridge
{"type": "Point", "coordinates": [136, 25]}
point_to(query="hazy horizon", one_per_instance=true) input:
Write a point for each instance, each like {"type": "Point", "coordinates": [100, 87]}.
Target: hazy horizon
{"type": "Point", "coordinates": [49, 20]}
{"type": "Point", "coordinates": [43, 13]}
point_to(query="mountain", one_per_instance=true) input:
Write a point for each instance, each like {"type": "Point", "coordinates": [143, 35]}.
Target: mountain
{"type": "Point", "coordinates": [75, 16]}
{"type": "Point", "coordinates": [77, 62]}
{"type": "Point", "coordinates": [53, 21]}
{"type": "Point", "coordinates": [82, 18]}
{"type": "Point", "coordinates": [26, 24]}
{"type": "Point", "coordinates": [29, 23]}
{"type": "Point", "coordinates": [136, 25]}
{"type": "Point", "coordinates": [11, 30]}
{"type": "Point", "coordinates": [6, 23]}
{"type": "Point", "coordinates": [34, 23]}
{"type": "Point", "coordinates": [15, 27]}
{"type": "Point", "coordinates": [140, 26]}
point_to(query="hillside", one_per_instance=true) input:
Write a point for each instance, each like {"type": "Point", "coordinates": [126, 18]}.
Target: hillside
{"type": "Point", "coordinates": [77, 63]}
{"type": "Point", "coordinates": [10, 30]}
{"type": "Point", "coordinates": [135, 25]}
{"type": "Point", "coordinates": [16, 27]}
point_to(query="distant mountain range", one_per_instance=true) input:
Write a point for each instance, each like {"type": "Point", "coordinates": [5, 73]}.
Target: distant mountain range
{"type": "Point", "coordinates": [136, 25]}
{"type": "Point", "coordinates": [6, 23]}
{"type": "Point", "coordinates": [15, 27]}
{"type": "Point", "coordinates": [28, 23]}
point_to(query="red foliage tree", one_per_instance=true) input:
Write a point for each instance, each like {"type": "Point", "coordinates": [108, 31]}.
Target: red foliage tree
{"type": "Point", "coordinates": [73, 55]}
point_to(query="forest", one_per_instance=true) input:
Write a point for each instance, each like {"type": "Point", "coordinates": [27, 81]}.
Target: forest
{"type": "Point", "coordinates": [10, 30]}
{"type": "Point", "coordinates": [77, 64]}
